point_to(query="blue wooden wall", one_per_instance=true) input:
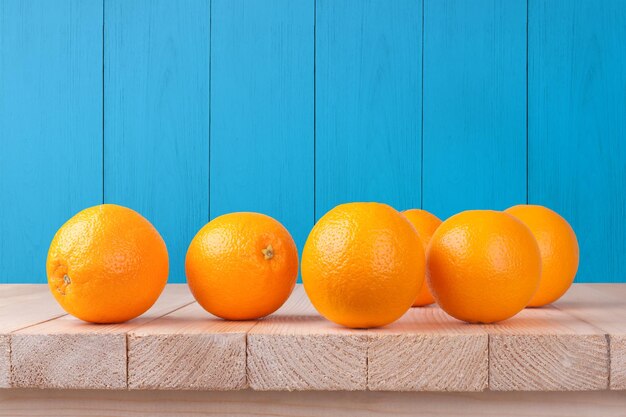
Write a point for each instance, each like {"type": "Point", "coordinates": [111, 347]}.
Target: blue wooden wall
{"type": "Point", "coordinates": [187, 110]}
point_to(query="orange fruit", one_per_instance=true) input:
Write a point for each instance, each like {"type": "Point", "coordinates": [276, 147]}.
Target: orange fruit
{"type": "Point", "coordinates": [107, 264]}
{"type": "Point", "coordinates": [558, 247]}
{"type": "Point", "coordinates": [242, 266]}
{"type": "Point", "coordinates": [425, 223]}
{"type": "Point", "coordinates": [363, 265]}
{"type": "Point", "coordinates": [483, 266]}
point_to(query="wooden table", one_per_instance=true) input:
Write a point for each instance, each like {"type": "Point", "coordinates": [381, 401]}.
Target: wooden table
{"type": "Point", "coordinates": [568, 359]}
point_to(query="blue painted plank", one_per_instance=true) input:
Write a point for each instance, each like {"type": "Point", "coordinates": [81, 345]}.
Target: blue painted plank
{"type": "Point", "coordinates": [368, 102]}
{"type": "Point", "coordinates": [157, 116]}
{"type": "Point", "coordinates": [577, 121]}
{"type": "Point", "coordinates": [262, 110]}
{"type": "Point", "coordinates": [50, 126]}
{"type": "Point", "coordinates": [474, 105]}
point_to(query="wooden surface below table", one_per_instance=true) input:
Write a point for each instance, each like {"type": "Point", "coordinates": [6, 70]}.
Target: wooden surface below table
{"type": "Point", "coordinates": [69, 403]}
{"type": "Point", "coordinates": [578, 344]}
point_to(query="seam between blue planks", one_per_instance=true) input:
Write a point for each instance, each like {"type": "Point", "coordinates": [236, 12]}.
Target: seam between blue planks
{"type": "Point", "coordinates": [422, 122]}
{"type": "Point", "coordinates": [210, 112]}
{"type": "Point", "coordinates": [314, 111]}
{"type": "Point", "coordinates": [103, 75]}
{"type": "Point", "coordinates": [527, 134]}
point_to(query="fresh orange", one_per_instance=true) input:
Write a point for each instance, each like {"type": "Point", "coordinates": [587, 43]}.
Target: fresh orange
{"type": "Point", "coordinates": [107, 264]}
{"type": "Point", "coordinates": [558, 247]}
{"type": "Point", "coordinates": [483, 266]}
{"type": "Point", "coordinates": [242, 266]}
{"type": "Point", "coordinates": [425, 223]}
{"type": "Point", "coordinates": [363, 265]}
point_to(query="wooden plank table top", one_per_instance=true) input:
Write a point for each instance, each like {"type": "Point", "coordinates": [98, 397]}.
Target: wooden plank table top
{"type": "Point", "coordinates": [297, 349]}
{"type": "Point", "coordinates": [577, 344]}
{"type": "Point", "coordinates": [604, 307]}
{"type": "Point", "coordinates": [65, 352]}
{"type": "Point", "coordinates": [22, 305]}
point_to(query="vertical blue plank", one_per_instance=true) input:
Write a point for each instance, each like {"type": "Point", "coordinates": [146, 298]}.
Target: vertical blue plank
{"type": "Point", "coordinates": [156, 116]}
{"type": "Point", "coordinates": [368, 102]}
{"type": "Point", "coordinates": [474, 105]}
{"type": "Point", "coordinates": [577, 125]}
{"type": "Point", "coordinates": [262, 110]}
{"type": "Point", "coordinates": [50, 125]}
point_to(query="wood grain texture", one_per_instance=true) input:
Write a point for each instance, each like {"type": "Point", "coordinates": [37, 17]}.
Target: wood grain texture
{"type": "Point", "coordinates": [618, 362]}
{"type": "Point", "coordinates": [544, 349]}
{"type": "Point", "coordinates": [368, 102]}
{"type": "Point", "coordinates": [297, 349]}
{"type": "Point", "coordinates": [50, 125]}
{"type": "Point", "coordinates": [427, 350]}
{"type": "Point", "coordinates": [22, 306]}
{"type": "Point", "coordinates": [474, 105]}
{"type": "Point", "coordinates": [188, 349]}
{"type": "Point", "coordinates": [68, 353]}
{"type": "Point", "coordinates": [577, 79]}
{"type": "Point", "coordinates": [603, 306]}
{"type": "Point", "coordinates": [156, 94]}
{"type": "Point", "coordinates": [262, 110]}
{"type": "Point", "coordinates": [5, 361]}
{"type": "Point", "coordinates": [15, 293]}
{"type": "Point", "coordinates": [69, 403]}
{"type": "Point", "coordinates": [614, 294]}
{"type": "Point", "coordinates": [176, 345]}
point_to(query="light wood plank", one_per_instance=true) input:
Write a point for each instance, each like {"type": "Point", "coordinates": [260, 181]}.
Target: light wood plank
{"type": "Point", "coordinates": [69, 353]}
{"type": "Point", "coordinates": [603, 306]}
{"type": "Point", "coordinates": [427, 350]}
{"type": "Point", "coordinates": [10, 292]}
{"type": "Point", "coordinates": [70, 403]}
{"type": "Point", "coordinates": [28, 305]}
{"type": "Point", "coordinates": [188, 349]}
{"type": "Point", "coordinates": [617, 380]}
{"type": "Point", "coordinates": [544, 349]}
{"type": "Point", "coordinates": [5, 361]}
{"type": "Point", "coordinates": [614, 292]}
{"type": "Point", "coordinates": [562, 348]}
{"type": "Point", "coordinates": [297, 349]}
{"type": "Point", "coordinates": [22, 306]}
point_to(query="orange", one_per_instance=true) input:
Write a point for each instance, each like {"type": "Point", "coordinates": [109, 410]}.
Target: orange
{"type": "Point", "coordinates": [107, 264]}
{"type": "Point", "coordinates": [363, 265]}
{"type": "Point", "coordinates": [242, 266]}
{"type": "Point", "coordinates": [425, 223]}
{"type": "Point", "coordinates": [558, 247]}
{"type": "Point", "coordinates": [483, 266]}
